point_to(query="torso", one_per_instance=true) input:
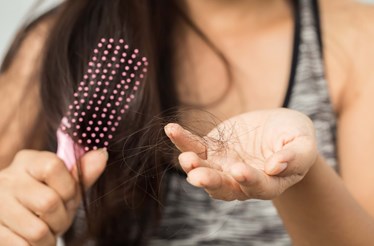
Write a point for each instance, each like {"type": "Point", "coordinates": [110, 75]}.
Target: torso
{"type": "Point", "coordinates": [191, 217]}
{"type": "Point", "coordinates": [260, 62]}
{"type": "Point", "coordinates": [264, 86]}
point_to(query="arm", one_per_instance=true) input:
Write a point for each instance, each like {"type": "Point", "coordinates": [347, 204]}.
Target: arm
{"type": "Point", "coordinates": [20, 99]}
{"type": "Point", "coordinates": [321, 211]}
{"type": "Point", "coordinates": [313, 201]}
{"type": "Point", "coordinates": [325, 209]}
{"type": "Point", "coordinates": [315, 204]}
{"type": "Point", "coordinates": [318, 207]}
{"type": "Point", "coordinates": [39, 195]}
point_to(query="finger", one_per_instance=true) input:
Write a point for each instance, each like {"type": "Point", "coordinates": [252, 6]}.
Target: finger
{"type": "Point", "coordinates": [185, 140]}
{"type": "Point", "coordinates": [245, 174]}
{"type": "Point", "coordinates": [255, 183]}
{"type": "Point", "coordinates": [278, 162]}
{"type": "Point", "coordinates": [47, 204]}
{"type": "Point", "coordinates": [295, 158]}
{"type": "Point", "coordinates": [51, 170]}
{"type": "Point", "coordinates": [190, 161]}
{"type": "Point", "coordinates": [7, 237]}
{"type": "Point", "coordinates": [92, 166]}
{"type": "Point", "coordinates": [217, 184]}
{"type": "Point", "coordinates": [26, 225]}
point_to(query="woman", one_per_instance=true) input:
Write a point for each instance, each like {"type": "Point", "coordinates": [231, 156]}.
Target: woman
{"type": "Point", "coordinates": [258, 56]}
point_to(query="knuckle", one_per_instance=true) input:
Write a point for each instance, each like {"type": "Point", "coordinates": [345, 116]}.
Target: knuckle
{"type": "Point", "coordinates": [6, 179]}
{"type": "Point", "coordinates": [48, 203]}
{"type": "Point", "coordinates": [3, 205]}
{"type": "Point", "coordinates": [23, 155]}
{"type": "Point", "coordinates": [8, 186]}
{"type": "Point", "coordinates": [71, 190]}
{"type": "Point", "coordinates": [52, 165]}
{"type": "Point", "coordinates": [23, 152]}
{"type": "Point", "coordinates": [39, 233]}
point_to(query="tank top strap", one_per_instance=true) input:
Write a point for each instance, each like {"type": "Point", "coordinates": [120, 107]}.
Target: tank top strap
{"type": "Point", "coordinates": [310, 93]}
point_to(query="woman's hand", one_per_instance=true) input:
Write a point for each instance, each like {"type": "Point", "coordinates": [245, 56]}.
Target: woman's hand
{"type": "Point", "coordinates": [39, 196]}
{"type": "Point", "coordinates": [254, 155]}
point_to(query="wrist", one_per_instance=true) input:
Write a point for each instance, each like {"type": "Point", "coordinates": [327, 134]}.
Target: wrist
{"type": "Point", "coordinates": [306, 183]}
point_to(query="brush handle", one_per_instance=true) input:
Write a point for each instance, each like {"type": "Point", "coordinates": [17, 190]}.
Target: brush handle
{"type": "Point", "coordinates": [67, 150]}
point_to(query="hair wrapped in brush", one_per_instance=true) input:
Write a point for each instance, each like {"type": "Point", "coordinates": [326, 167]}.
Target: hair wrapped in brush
{"type": "Point", "coordinates": [123, 205]}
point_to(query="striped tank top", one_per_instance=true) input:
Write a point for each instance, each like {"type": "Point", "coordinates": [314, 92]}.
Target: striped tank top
{"type": "Point", "coordinates": [191, 217]}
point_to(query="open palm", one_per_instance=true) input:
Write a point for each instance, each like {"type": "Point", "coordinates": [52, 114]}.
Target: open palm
{"type": "Point", "coordinates": [254, 155]}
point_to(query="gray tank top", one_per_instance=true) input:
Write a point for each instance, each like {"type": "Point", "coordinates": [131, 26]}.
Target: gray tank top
{"type": "Point", "coordinates": [191, 217]}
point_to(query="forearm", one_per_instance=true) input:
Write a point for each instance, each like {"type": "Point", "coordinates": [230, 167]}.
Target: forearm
{"type": "Point", "coordinates": [320, 211]}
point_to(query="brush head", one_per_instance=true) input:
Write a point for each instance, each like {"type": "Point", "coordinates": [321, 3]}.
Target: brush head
{"type": "Point", "coordinates": [113, 76]}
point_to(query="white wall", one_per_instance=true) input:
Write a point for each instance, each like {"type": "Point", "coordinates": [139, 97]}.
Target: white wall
{"type": "Point", "coordinates": [14, 13]}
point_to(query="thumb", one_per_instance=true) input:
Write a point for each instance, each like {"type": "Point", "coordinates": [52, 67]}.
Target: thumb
{"type": "Point", "coordinates": [279, 161]}
{"type": "Point", "coordinates": [92, 166]}
{"type": "Point", "coordinates": [296, 157]}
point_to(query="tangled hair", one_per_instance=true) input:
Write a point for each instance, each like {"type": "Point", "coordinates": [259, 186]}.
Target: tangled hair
{"type": "Point", "coordinates": [123, 207]}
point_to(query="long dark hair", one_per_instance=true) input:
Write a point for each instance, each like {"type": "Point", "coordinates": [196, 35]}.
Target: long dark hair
{"type": "Point", "coordinates": [123, 207]}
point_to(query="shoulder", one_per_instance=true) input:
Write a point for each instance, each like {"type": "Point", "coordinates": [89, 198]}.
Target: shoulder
{"type": "Point", "coordinates": [19, 93]}
{"type": "Point", "coordinates": [346, 17]}
{"type": "Point", "coordinates": [348, 35]}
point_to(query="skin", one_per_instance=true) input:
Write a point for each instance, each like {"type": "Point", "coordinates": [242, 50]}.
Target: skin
{"type": "Point", "coordinates": [40, 200]}
{"type": "Point", "coordinates": [309, 196]}
{"type": "Point", "coordinates": [338, 209]}
{"type": "Point", "coordinates": [258, 146]}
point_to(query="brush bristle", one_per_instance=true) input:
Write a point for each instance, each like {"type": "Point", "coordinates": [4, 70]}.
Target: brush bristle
{"type": "Point", "coordinates": [113, 75]}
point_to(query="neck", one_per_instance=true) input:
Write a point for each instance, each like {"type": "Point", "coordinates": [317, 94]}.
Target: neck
{"type": "Point", "coordinates": [232, 14]}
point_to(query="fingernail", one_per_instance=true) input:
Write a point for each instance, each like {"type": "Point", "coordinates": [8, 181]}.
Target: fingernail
{"type": "Point", "coordinates": [281, 167]}
{"type": "Point", "coordinates": [276, 168]}
{"type": "Point", "coordinates": [168, 131]}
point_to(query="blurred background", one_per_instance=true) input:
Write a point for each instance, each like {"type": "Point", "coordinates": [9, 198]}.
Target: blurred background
{"type": "Point", "coordinates": [14, 13]}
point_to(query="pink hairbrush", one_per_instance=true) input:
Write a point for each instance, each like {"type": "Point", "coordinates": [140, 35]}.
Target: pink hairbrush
{"type": "Point", "coordinates": [101, 99]}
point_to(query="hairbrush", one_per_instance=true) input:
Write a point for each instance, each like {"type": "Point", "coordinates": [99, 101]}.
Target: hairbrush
{"type": "Point", "coordinates": [111, 80]}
